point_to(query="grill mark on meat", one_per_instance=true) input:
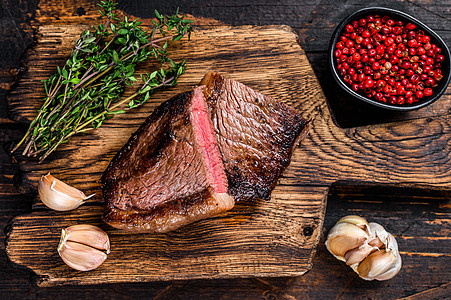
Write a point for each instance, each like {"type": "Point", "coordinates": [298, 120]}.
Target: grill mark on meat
{"type": "Point", "coordinates": [248, 135]}
{"type": "Point", "coordinates": [240, 119]}
{"type": "Point", "coordinates": [225, 131]}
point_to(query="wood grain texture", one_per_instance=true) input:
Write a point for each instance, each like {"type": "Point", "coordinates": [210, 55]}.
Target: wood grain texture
{"type": "Point", "coordinates": [262, 239]}
{"type": "Point", "coordinates": [415, 217]}
{"type": "Point", "coordinates": [422, 214]}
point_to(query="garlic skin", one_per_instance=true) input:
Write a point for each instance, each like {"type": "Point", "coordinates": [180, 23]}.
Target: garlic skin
{"type": "Point", "coordinates": [58, 195]}
{"type": "Point", "coordinates": [83, 247]}
{"type": "Point", "coordinates": [366, 247]}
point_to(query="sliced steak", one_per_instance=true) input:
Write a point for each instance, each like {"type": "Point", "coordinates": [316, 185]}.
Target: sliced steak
{"type": "Point", "coordinates": [256, 135]}
{"type": "Point", "coordinates": [170, 172]}
{"type": "Point", "coordinates": [197, 153]}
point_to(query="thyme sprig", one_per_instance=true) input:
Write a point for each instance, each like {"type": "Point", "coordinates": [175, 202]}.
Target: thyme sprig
{"type": "Point", "coordinates": [87, 90]}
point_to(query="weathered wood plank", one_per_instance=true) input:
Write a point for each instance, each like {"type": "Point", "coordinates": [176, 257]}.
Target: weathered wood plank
{"type": "Point", "coordinates": [326, 280]}
{"type": "Point", "coordinates": [414, 153]}
{"type": "Point", "coordinates": [394, 153]}
{"type": "Point", "coordinates": [417, 218]}
{"type": "Point", "coordinates": [267, 238]}
{"type": "Point", "coordinates": [232, 12]}
{"type": "Point", "coordinates": [263, 239]}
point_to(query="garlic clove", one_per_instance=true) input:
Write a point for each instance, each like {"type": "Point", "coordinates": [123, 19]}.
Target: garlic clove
{"type": "Point", "coordinates": [81, 257]}
{"type": "Point", "coordinates": [376, 264]}
{"type": "Point", "coordinates": [392, 247]}
{"type": "Point", "coordinates": [355, 220]}
{"type": "Point", "coordinates": [89, 235]}
{"type": "Point", "coordinates": [383, 264]}
{"type": "Point", "coordinates": [392, 271]}
{"type": "Point", "coordinates": [83, 247]}
{"type": "Point", "coordinates": [344, 237]}
{"type": "Point", "coordinates": [58, 195]}
{"type": "Point", "coordinates": [356, 255]}
{"type": "Point", "coordinates": [375, 242]}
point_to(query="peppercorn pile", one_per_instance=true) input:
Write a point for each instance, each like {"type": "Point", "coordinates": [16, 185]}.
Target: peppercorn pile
{"type": "Point", "coordinates": [388, 61]}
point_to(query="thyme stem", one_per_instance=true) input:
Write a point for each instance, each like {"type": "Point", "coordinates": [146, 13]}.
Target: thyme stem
{"type": "Point", "coordinates": [87, 90]}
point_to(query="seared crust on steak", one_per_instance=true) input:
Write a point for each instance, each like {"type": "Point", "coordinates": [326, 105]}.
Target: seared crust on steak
{"type": "Point", "coordinates": [170, 215]}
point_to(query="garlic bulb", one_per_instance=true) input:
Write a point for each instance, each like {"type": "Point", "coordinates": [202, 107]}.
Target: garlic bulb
{"type": "Point", "coordinates": [366, 247]}
{"type": "Point", "coordinates": [57, 195]}
{"type": "Point", "coordinates": [83, 247]}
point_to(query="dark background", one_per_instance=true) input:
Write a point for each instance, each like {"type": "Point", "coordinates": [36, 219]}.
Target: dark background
{"type": "Point", "coordinates": [419, 218]}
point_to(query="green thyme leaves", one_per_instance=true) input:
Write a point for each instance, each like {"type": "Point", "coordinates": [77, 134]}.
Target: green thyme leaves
{"type": "Point", "coordinates": [87, 90]}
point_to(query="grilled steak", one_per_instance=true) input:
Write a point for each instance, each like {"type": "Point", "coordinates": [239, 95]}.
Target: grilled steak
{"type": "Point", "coordinates": [197, 153]}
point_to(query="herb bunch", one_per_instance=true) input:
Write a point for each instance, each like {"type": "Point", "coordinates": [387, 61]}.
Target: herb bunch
{"type": "Point", "coordinates": [86, 91]}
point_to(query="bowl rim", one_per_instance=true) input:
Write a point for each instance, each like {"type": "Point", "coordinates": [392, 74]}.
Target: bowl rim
{"type": "Point", "coordinates": [364, 11]}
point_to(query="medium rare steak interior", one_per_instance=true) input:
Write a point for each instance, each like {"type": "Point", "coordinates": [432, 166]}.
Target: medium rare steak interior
{"type": "Point", "coordinates": [196, 154]}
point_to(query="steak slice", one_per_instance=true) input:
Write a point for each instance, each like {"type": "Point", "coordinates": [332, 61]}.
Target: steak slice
{"type": "Point", "coordinates": [170, 172]}
{"type": "Point", "coordinates": [256, 135]}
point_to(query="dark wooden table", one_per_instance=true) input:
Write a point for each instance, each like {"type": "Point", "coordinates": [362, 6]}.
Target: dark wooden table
{"type": "Point", "coordinates": [420, 219]}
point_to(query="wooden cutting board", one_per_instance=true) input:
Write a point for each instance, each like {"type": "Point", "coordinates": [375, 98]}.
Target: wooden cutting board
{"type": "Point", "coordinates": [267, 238]}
